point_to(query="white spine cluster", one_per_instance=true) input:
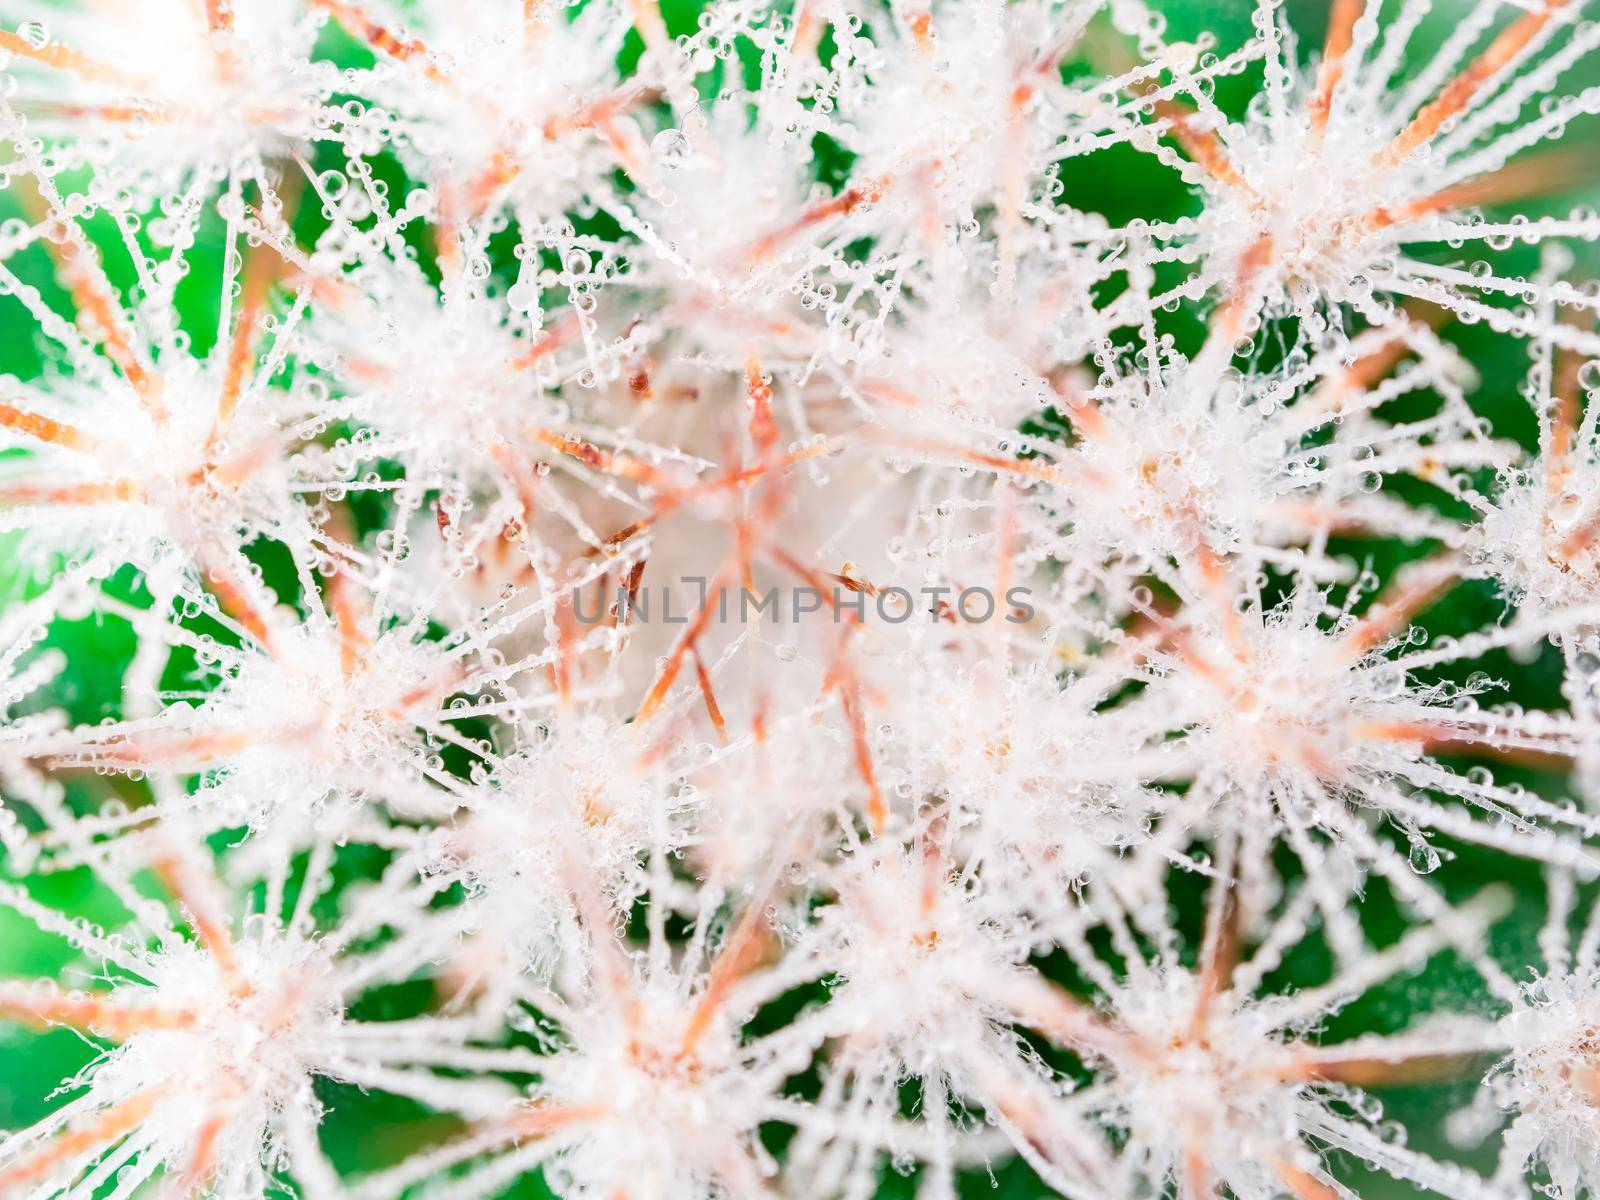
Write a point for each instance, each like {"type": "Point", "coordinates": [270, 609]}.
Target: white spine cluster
{"type": "Point", "coordinates": [736, 610]}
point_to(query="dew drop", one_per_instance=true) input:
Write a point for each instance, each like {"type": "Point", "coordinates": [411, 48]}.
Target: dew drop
{"type": "Point", "coordinates": [671, 149]}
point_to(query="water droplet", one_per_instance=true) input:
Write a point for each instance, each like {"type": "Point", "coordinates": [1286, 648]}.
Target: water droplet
{"type": "Point", "coordinates": [34, 33]}
{"type": "Point", "coordinates": [334, 184]}
{"type": "Point", "coordinates": [1566, 509]}
{"type": "Point", "coordinates": [671, 149]}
